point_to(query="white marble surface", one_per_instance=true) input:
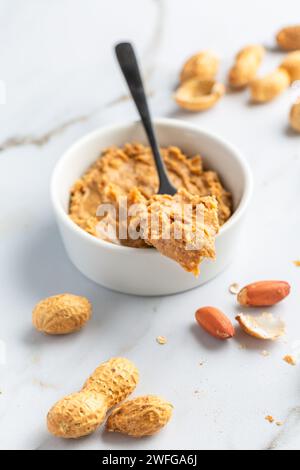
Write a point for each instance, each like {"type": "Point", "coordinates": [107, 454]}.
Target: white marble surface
{"type": "Point", "coordinates": [62, 81]}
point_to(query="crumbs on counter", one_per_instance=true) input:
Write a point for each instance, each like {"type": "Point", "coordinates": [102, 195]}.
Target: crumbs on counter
{"type": "Point", "coordinates": [265, 353]}
{"type": "Point", "coordinates": [234, 288]}
{"type": "Point", "coordinates": [291, 360]}
{"type": "Point", "coordinates": [161, 340]}
{"type": "Point", "coordinates": [199, 393]}
{"type": "Point", "coordinates": [270, 419]}
{"type": "Point", "coordinates": [42, 384]}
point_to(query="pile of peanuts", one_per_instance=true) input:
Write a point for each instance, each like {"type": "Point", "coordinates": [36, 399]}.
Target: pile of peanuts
{"type": "Point", "coordinates": [199, 90]}
{"type": "Point", "coordinates": [81, 413]}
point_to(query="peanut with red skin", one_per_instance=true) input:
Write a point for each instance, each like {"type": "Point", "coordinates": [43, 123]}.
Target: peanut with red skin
{"type": "Point", "coordinates": [215, 322]}
{"type": "Point", "coordinates": [263, 293]}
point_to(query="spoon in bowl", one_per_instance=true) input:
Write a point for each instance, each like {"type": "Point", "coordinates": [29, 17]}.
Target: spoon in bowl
{"type": "Point", "coordinates": [129, 66]}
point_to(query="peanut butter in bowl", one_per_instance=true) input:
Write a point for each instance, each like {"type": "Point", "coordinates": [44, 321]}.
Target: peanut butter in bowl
{"type": "Point", "coordinates": [129, 174]}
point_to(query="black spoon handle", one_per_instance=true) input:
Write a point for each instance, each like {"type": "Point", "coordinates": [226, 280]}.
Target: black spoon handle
{"type": "Point", "coordinates": [129, 66]}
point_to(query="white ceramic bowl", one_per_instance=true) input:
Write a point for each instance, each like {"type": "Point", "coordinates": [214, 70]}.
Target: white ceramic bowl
{"type": "Point", "coordinates": [145, 271]}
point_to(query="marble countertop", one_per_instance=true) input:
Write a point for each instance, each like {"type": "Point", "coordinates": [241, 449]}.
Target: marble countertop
{"type": "Point", "coordinates": [61, 81]}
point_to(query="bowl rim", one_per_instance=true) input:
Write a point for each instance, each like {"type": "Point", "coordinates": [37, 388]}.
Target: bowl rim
{"type": "Point", "coordinates": [68, 222]}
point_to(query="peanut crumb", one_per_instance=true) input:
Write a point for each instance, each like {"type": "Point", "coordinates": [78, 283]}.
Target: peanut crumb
{"type": "Point", "coordinates": [35, 359]}
{"type": "Point", "coordinates": [161, 339]}
{"type": "Point", "coordinates": [270, 419]}
{"type": "Point", "coordinates": [265, 353]}
{"type": "Point", "coordinates": [234, 288]}
{"type": "Point", "coordinates": [198, 393]}
{"type": "Point", "coordinates": [279, 423]}
{"type": "Point", "coordinates": [297, 263]}
{"type": "Point", "coordinates": [291, 360]}
{"type": "Point", "coordinates": [242, 346]}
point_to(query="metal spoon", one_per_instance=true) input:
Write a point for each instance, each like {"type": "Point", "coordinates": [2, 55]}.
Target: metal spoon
{"type": "Point", "coordinates": [129, 66]}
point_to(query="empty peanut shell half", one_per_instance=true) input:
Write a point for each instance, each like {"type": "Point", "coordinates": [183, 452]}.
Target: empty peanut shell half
{"type": "Point", "coordinates": [265, 326]}
{"type": "Point", "coordinates": [199, 95]}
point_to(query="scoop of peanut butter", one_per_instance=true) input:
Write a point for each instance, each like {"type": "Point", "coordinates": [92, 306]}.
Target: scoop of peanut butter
{"type": "Point", "coordinates": [182, 227]}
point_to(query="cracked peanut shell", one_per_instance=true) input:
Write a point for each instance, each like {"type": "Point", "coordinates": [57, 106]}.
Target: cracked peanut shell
{"type": "Point", "coordinates": [291, 64]}
{"type": "Point", "coordinates": [142, 416]}
{"type": "Point", "coordinates": [61, 314]}
{"type": "Point", "coordinates": [203, 65]}
{"type": "Point", "coordinates": [246, 64]}
{"type": "Point", "coordinates": [77, 415]}
{"type": "Point", "coordinates": [267, 88]}
{"type": "Point", "coordinates": [295, 117]}
{"type": "Point", "coordinates": [288, 38]}
{"type": "Point", "coordinates": [199, 95]}
{"type": "Point", "coordinates": [116, 379]}
{"type": "Point", "coordinates": [264, 326]}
